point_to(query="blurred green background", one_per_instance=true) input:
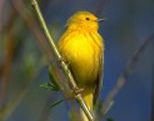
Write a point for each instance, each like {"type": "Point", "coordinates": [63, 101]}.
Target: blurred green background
{"type": "Point", "coordinates": [128, 23]}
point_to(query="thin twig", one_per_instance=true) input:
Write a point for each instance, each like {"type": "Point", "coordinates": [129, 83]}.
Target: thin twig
{"type": "Point", "coordinates": [66, 71]}
{"type": "Point", "coordinates": [123, 77]}
{"type": "Point", "coordinates": [152, 111]}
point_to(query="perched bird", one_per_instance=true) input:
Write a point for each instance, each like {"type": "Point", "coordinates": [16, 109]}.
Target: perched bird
{"type": "Point", "coordinates": [83, 47]}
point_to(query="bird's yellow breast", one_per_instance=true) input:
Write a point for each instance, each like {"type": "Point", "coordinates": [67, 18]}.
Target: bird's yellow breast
{"type": "Point", "coordinates": [83, 53]}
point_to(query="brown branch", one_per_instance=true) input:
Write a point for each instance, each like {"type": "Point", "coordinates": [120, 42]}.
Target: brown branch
{"type": "Point", "coordinates": [2, 4]}
{"type": "Point", "coordinates": [123, 77]}
{"type": "Point", "coordinates": [4, 80]}
{"type": "Point", "coordinates": [6, 70]}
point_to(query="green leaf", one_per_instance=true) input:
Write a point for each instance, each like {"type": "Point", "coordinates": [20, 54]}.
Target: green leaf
{"type": "Point", "coordinates": [109, 119]}
{"type": "Point", "coordinates": [50, 86]}
{"type": "Point", "coordinates": [52, 79]}
{"type": "Point", "coordinates": [56, 103]}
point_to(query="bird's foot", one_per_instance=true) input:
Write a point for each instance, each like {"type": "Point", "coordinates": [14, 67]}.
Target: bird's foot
{"type": "Point", "coordinates": [78, 90]}
{"type": "Point", "coordinates": [64, 60]}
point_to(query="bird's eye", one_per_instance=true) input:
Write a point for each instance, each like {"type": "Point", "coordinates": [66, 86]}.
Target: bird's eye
{"type": "Point", "coordinates": [87, 18]}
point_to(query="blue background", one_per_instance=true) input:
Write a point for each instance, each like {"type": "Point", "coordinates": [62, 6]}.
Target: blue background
{"type": "Point", "coordinates": [128, 23]}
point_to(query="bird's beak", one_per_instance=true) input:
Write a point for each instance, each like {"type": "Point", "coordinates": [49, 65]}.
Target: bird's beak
{"type": "Point", "coordinates": [100, 20]}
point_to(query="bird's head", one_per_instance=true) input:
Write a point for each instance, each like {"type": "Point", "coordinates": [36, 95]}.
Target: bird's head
{"type": "Point", "coordinates": [83, 20]}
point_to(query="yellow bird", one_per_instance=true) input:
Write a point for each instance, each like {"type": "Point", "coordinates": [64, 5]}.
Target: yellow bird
{"type": "Point", "coordinates": [83, 47]}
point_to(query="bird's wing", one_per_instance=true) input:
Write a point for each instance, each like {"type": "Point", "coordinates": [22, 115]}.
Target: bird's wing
{"type": "Point", "coordinates": [100, 78]}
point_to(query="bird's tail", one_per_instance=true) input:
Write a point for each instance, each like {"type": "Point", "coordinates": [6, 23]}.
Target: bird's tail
{"type": "Point", "coordinates": [88, 98]}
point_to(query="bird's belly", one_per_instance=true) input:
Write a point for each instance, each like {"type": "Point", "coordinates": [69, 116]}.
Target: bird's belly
{"type": "Point", "coordinates": [84, 61]}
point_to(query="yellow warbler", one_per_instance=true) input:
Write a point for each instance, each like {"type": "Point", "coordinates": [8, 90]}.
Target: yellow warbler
{"type": "Point", "coordinates": [82, 46]}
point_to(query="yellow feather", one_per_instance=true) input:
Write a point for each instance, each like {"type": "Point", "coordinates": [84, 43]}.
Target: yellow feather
{"type": "Point", "coordinates": [82, 46]}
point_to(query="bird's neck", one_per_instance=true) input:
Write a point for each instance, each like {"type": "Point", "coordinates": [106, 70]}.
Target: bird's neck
{"type": "Point", "coordinates": [82, 28]}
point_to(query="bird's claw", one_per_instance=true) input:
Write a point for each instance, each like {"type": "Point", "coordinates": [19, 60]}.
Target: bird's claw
{"type": "Point", "coordinates": [64, 60]}
{"type": "Point", "coordinates": [78, 90]}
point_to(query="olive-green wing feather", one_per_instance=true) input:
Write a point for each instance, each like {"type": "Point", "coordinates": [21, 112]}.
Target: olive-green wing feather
{"type": "Point", "coordinates": [100, 78]}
